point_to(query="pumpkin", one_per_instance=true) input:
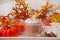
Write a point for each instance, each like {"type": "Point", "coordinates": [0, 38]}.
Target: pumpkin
{"type": "Point", "coordinates": [8, 31]}
{"type": "Point", "coordinates": [6, 20]}
{"type": "Point", "coordinates": [19, 25]}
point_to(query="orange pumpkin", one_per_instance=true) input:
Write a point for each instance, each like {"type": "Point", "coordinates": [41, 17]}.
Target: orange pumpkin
{"type": "Point", "coordinates": [6, 20]}
{"type": "Point", "coordinates": [8, 31]}
{"type": "Point", "coordinates": [19, 25]}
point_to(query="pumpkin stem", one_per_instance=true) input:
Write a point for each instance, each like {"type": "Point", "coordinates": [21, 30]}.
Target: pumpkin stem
{"type": "Point", "coordinates": [4, 18]}
{"type": "Point", "coordinates": [8, 26]}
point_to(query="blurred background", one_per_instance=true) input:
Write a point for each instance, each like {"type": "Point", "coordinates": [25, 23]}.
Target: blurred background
{"type": "Point", "coordinates": [7, 5]}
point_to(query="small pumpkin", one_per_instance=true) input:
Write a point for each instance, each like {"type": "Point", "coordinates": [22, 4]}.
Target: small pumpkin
{"type": "Point", "coordinates": [6, 20]}
{"type": "Point", "coordinates": [8, 31]}
{"type": "Point", "coordinates": [20, 26]}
